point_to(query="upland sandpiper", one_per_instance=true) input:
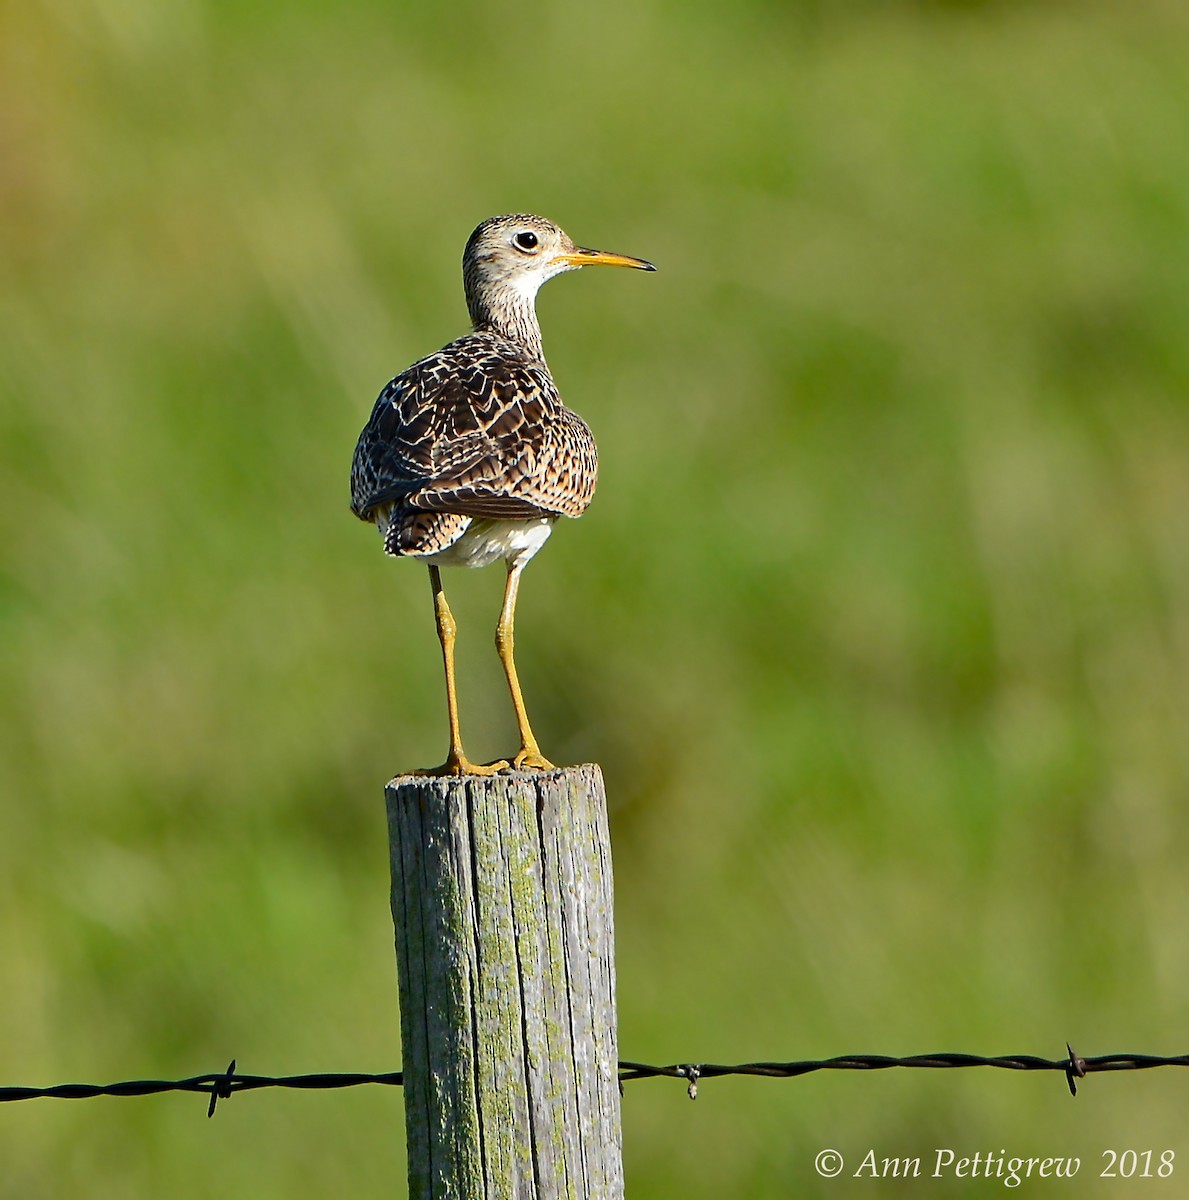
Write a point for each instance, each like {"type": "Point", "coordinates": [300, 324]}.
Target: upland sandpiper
{"type": "Point", "coordinates": [470, 456]}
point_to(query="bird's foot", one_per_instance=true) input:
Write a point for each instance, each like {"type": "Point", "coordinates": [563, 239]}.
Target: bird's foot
{"type": "Point", "coordinates": [459, 764]}
{"type": "Point", "coordinates": [531, 759]}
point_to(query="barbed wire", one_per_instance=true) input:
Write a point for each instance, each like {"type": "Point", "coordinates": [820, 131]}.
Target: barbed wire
{"type": "Point", "coordinates": [220, 1087]}
{"type": "Point", "coordinates": [1073, 1067]}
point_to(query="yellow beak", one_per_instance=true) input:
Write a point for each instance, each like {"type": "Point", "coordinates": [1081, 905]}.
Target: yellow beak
{"type": "Point", "coordinates": [581, 257]}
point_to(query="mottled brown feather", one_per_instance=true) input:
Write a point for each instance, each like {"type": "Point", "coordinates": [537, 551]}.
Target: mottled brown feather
{"type": "Point", "coordinates": [475, 430]}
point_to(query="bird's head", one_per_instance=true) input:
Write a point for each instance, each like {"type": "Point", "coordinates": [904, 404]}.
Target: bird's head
{"type": "Point", "coordinates": [508, 258]}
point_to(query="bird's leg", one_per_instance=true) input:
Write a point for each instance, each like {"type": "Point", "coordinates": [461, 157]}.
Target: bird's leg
{"type": "Point", "coordinates": [456, 762]}
{"type": "Point", "coordinates": [530, 753]}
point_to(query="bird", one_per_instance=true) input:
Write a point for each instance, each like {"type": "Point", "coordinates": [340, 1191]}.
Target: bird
{"type": "Point", "coordinates": [470, 457]}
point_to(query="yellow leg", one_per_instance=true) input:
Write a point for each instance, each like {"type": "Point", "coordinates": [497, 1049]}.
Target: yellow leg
{"type": "Point", "coordinates": [530, 753]}
{"type": "Point", "coordinates": [456, 762]}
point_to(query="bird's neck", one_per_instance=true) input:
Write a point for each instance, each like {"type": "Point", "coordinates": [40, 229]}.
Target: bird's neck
{"type": "Point", "coordinates": [511, 315]}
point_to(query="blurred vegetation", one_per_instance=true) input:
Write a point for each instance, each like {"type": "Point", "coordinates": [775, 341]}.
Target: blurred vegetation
{"type": "Point", "coordinates": [879, 624]}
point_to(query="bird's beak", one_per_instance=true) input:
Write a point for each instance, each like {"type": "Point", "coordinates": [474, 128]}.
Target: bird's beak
{"type": "Point", "coordinates": [581, 257]}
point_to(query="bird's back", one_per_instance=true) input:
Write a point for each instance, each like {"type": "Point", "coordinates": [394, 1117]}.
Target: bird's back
{"type": "Point", "coordinates": [476, 430]}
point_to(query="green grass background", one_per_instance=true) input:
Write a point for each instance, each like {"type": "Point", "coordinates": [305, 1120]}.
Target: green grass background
{"type": "Point", "coordinates": [879, 624]}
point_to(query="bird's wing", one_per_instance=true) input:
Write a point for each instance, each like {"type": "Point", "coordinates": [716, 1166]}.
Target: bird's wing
{"type": "Point", "coordinates": [476, 432]}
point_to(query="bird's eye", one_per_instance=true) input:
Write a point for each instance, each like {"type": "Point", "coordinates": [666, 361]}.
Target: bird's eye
{"type": "Point", "coordinates": [526, 240]}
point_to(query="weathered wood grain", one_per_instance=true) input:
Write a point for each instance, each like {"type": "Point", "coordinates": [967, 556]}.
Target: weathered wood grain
{"type": "Point", "coordinates": [502, 906]}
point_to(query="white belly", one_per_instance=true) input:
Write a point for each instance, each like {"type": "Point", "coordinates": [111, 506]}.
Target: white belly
{"type": "Point", "coordinates": [488, 541]}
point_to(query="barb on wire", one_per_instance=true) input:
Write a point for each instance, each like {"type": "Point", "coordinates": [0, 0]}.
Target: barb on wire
{"type": "Point", "coordinates": [221, 1086]}
{"type": "Point", "coordinates": [221, 1089]}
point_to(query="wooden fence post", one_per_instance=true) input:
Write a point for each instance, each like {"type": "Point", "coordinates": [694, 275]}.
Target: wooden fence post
{"type": "Point", "coordinates": [502, 906]}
